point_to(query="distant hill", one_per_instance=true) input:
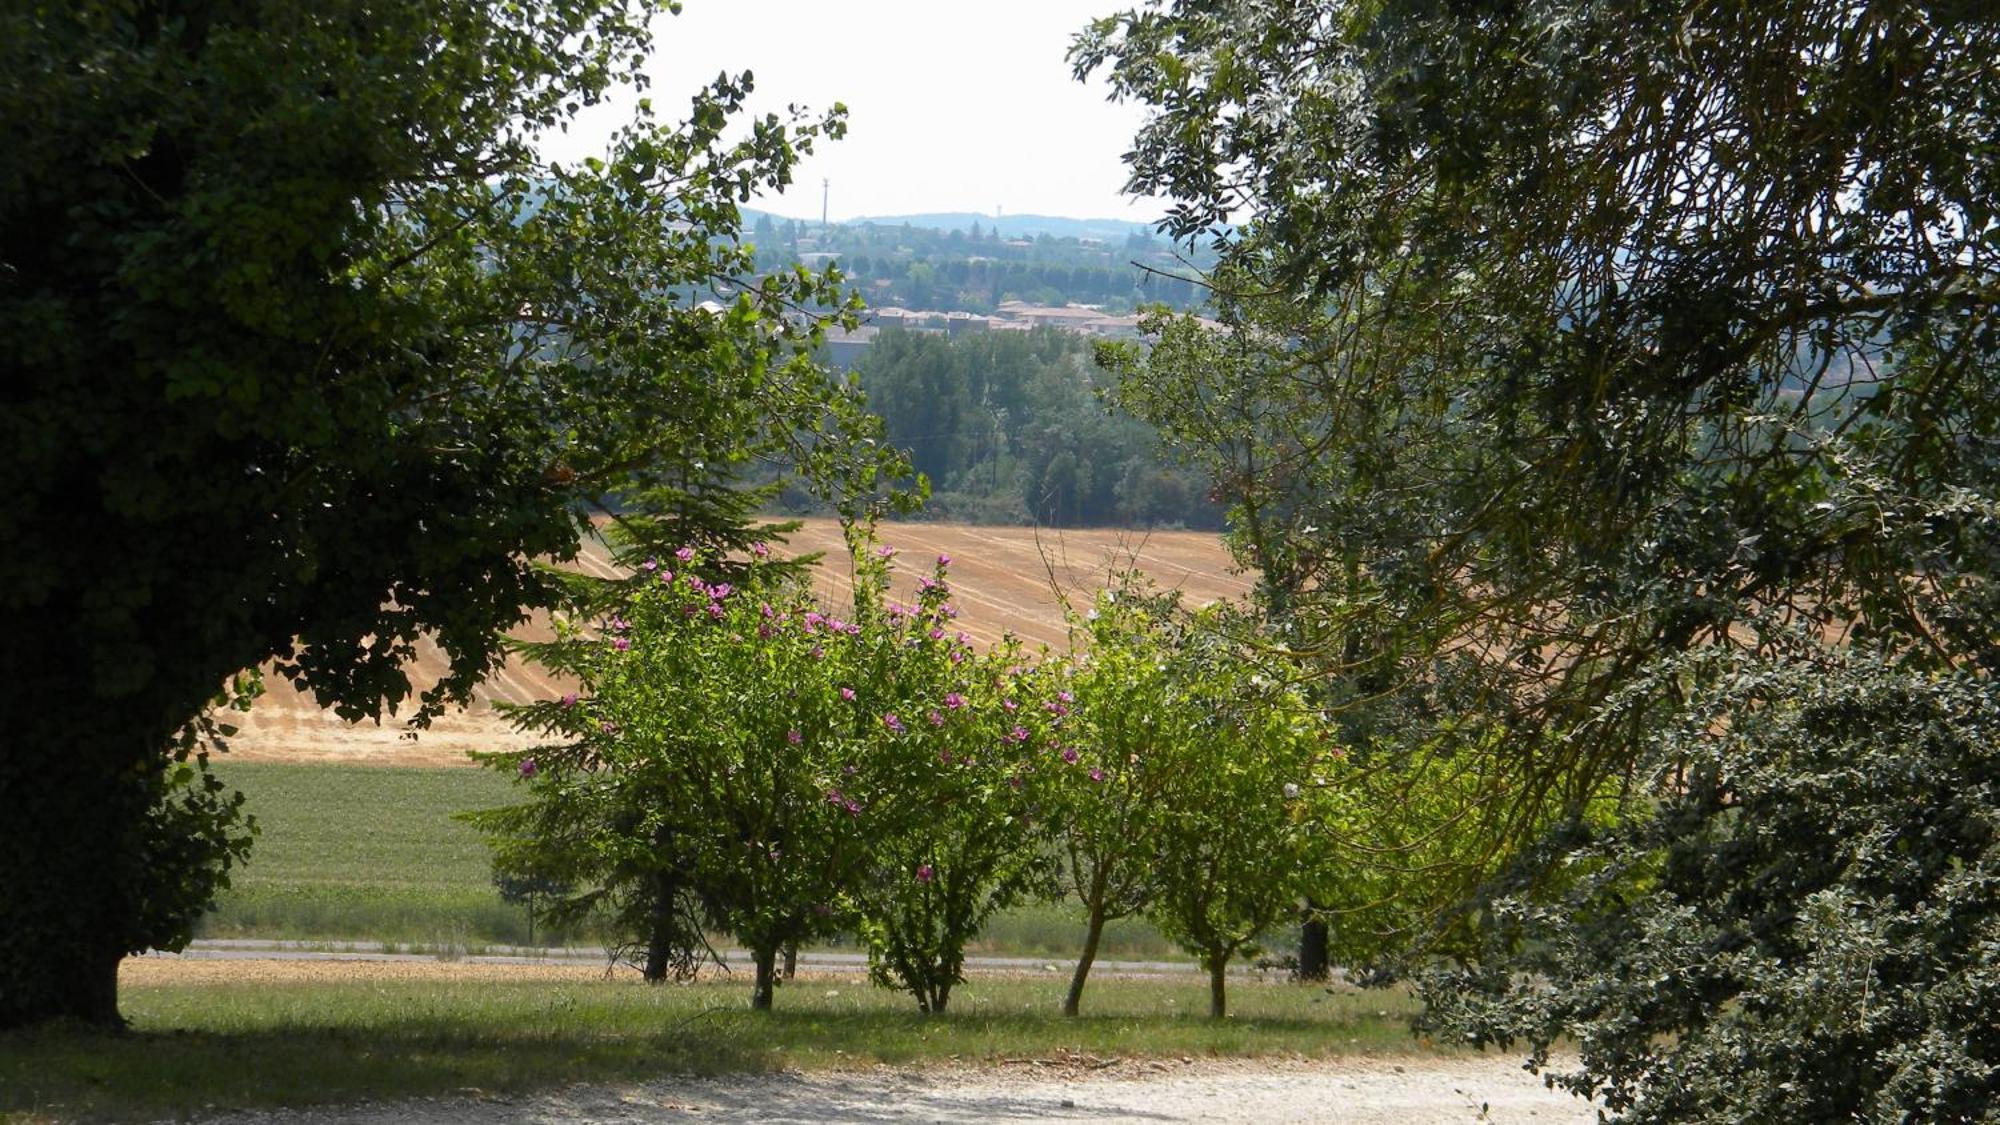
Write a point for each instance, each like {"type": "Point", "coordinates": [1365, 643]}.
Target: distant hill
{"type": "Point", "coordinates": [1009, 226]}
{"type": "Point", "coordinates": [1017, 226]}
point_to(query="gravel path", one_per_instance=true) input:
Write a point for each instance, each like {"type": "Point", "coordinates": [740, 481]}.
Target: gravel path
{"type": "Point", "coordinates": [1365, 1092]}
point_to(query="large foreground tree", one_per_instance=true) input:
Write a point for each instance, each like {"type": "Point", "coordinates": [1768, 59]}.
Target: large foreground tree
{"type": "Point", "coordinates": [305, 355]}
{"type": "Point", "coordinates": [1678, 326]}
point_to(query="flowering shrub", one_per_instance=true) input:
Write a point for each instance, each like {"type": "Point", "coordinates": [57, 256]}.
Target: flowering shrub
{"type": "Point", "coordinates": [716, 750]}
{"type": "Point", "coordinates": [963, 748]}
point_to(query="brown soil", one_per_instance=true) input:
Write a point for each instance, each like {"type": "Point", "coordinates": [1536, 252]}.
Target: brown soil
{"type": "Point", "coordinates": [1005, 579]}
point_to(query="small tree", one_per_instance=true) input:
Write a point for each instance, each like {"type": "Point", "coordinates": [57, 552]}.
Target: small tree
{"type": "Point", "coordinates": [1235, 833]}
{"type": "Point", "coordinates": [707, 775]}
{"type": "Point", "coordinates": [1111, 779]}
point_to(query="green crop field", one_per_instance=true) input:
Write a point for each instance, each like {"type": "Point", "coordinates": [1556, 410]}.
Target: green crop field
{"type": "Point", "coordinates": [372, 853]}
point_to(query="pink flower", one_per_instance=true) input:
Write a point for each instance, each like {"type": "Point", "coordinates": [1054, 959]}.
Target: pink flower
{"type": "Point", "coordinates": [650, 565]}
{"type": "Point", "coordinates": [622, 644]}
{"type": "Point", "coordinates": [618, 624]}
{"type": "Point", "coordinates": [887, 552]}
{"type": "Point", "coordinates": [1010, 705]}
{"type": "Point", "coordinates": [948, 610]}
{"type": "Point", "coordinates": [794, 737]}
{"type": "Point", "coordinates": [1069, 754]}
{"type": "Point", "coordinates": [763, 632]}
{"type": "Point", "coordinates": [944, 560]}
{"type": "Point", "coordinates": [685, 554]}
{"type": "Point", "coordinates": [847, 693]}
{"type": "Point", "coordinates": [607, 726]}
{"type": "Point", "coordinates": [957, 656]}
{"type": "Point", "coordinates": [936, 719]}
{"type": "Point", "coordinates": [1018, 734]}
{"type": "Point", "coordinates": [1066, 697]}
{"type": "Point", "coordinates": [765, 609]}
{"type": "Point", "coordinates": [818, 652]}
{"type": "Point", "coordinates": [527, 767]}
{"type": "Point", "coordinates": [715, 611]}
{"type": "Point", "coordinates": [760, 549]}
{"type": "Point", "coordinates": [892, 722]}
{"type": "Point", "coordinates": [924, 873]}
{"type": "Point", "coordinates": [944, 756]}
{"type": "Point", "coordinates": [1096, 774]}
{"type": "Point", "coordinates": [720, 590]}
{"type": "Point", "coordinates": [937, 634]}
{"type": "Point", "coordinates": [569, 699]}
{"type": "Point", "coordinates": [953, 700]}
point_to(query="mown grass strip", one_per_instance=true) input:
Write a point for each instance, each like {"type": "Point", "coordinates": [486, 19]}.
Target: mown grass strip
{"type": "Point", "coordinates": [303, 1036]}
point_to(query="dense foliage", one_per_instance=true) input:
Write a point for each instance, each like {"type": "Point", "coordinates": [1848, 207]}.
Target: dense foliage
{"type": "Point", "coordinates": [306, 355]}
{"type": "Point", "coordinates": [1598, 334]}
{"type": "Point", "coordinates": [1008, 428]}
{"type": "Point", "coordinates": [1801, 929]}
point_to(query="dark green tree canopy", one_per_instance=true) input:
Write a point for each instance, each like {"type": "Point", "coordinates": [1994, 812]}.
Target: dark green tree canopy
{"type": "Point", "coordinates": [1697, 303]}
{"type": "Point", "coordinates": [307, 354]}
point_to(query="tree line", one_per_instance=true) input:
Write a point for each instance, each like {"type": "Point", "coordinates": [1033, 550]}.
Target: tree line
{"type": "Point", "coordinates": [975, 270]}
{"type": "Point", "coordinates": [1008, 428]}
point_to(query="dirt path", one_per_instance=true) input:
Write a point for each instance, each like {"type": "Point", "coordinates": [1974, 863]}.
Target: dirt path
{"type": "Point", "coordinates": [1364, 1092]}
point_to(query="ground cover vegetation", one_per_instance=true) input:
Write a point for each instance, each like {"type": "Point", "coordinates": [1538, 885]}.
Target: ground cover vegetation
{"type": "Point", "coordinates": [308, 354]}
{"type": "Point", "coordinates": [1613, 386]}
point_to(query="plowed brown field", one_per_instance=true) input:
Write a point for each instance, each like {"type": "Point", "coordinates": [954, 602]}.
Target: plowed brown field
{"type": "Point", "coordinates": [1004, 579]}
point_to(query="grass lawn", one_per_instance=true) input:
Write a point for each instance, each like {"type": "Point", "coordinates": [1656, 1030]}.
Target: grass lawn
{"type": "Point", "coordinates": [372, 853]}
{"type": "Point", "coordinates": [245, 1035]}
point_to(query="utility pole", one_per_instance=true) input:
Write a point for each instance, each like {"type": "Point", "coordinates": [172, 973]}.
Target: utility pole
{"type": "Point", "coordinates": [825, 193]}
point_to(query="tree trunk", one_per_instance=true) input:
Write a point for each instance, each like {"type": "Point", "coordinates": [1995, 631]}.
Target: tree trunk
{"type": "Point", "coordinates": [72, 849]}
{"type": "Point", "coordinates": [1313, 961]}
{"type": "Point", "coordinates": [791, 959]}
{"type": "Point", "coordinates": [665, 932]}
{"type": "Point", "coordinates": [766, 957]}
{"type": "Point", "coordinates": [1074, 1001]}
{"type": "Point", "coordinates": [1217, 1002]}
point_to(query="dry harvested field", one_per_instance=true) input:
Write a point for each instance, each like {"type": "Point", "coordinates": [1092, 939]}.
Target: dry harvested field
{"type": "Point", "coordinates": [1005, 579]}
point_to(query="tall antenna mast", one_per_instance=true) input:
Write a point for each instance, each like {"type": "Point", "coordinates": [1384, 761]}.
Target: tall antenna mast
{"type": "Point", "coordinates": [825, 192]}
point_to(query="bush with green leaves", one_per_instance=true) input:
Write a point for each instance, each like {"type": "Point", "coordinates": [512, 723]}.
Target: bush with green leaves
{"type": "Point", "coordinates": [1804, 927]}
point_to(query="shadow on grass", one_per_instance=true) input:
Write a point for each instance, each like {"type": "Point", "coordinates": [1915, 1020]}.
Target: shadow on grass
{"type": "Point", "coordinates": [76, 1074]}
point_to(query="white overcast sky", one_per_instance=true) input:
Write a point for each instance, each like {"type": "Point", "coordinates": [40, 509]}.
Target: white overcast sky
{"type": "Point", "coordinates": [953, 106]}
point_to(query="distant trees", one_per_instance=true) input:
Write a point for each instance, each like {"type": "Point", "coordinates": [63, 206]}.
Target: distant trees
{"type": "Point", "coordinates": [1008, 427]}
{"type": "Point", "coordinates": [976, 272]}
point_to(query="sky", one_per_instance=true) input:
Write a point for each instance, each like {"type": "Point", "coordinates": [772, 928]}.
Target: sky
{"type": "Point", "coordinates": [952, 106]}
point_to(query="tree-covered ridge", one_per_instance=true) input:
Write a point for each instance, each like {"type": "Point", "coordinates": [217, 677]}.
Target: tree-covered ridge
{"type": "Point", "coordinates": [1008, 428]}
{"type": "Point", "coordinates": [976, 267]}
